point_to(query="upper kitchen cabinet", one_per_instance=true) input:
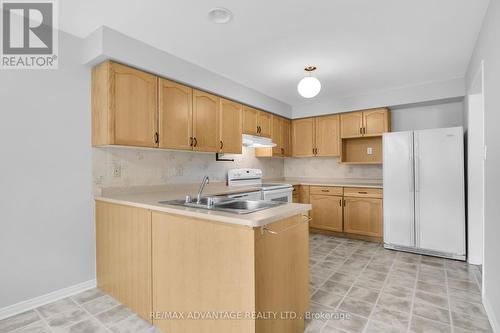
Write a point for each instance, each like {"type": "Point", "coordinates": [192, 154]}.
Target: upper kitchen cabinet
{"type": "Point", "coordinates": [318, 136]}
{"type": "Point", "coordinates": [280, 135]}
{"type": "Point", "coordinates": [327, 135]}
{"type": "Point", "coordinates": [303, 137]}
{"type": "Point", "coordinates": [256, 122]}
{"type": "Point", "coordinates": [230, 124]}
{"type": "Point", "coordinates": [250, 116]}
{"type": "Point", "coordinates": [124, 106]}
{"type": "Point", "coordinates": [351, 124]}
{"type": "Point", "coordinates": [277, 136]}
{"type": "Point", "coordinates": [285, 137]}
{"type": "Point", "coordinates": [376, 122]}
{"type": "Point", "coordinates": [175, 115]}
{"type": "Point", "coordinates": [264, 124]}
{"type": "Point", "coordinates": [205, 121]}
{"type": "Point", "coordinates": [372, 122]}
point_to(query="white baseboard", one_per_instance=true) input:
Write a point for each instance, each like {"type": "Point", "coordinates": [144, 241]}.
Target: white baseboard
{"type": "Point", "coordinates": [495, 324]}
{"type": "Point", "coordinates": [29, 304]}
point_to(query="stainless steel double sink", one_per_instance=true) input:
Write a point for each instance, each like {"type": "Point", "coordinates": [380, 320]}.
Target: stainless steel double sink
{"type": "Point", "coordinates": [224, 204]}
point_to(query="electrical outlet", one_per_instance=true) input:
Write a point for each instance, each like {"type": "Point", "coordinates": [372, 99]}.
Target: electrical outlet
{"type": "Point", "coordinates": [117, 170]}
{"type": "Point", "coordinates": [369, 151]}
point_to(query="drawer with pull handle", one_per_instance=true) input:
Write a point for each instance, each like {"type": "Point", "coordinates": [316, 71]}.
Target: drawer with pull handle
{"type": "Point", "coordinates": [361, 192]}
{"type": "Point", "coordinates": [326, 190]}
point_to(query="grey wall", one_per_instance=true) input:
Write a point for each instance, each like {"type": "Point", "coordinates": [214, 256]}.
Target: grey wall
{"type": "Point", "coordinates": [47, 232]}
{"type": "Point", "coordinates": [433, 91]}
{"type": "Point", "coordinates": [488, 49]}
{"type": "Point", "coordinates": [428, 115]}
{"type": "Point", "coordinates": [106, 43]}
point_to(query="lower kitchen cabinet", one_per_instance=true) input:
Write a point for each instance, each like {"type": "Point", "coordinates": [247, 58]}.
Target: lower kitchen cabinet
{"type": "Point", "coordinates": [159, 263]}
{"type": "Point", "coordinates": [326, 212]}
{"type": "Point", "coordinates": [304, 191]}
{"type": "Point", "coordinates": [204, 266]}
{"type": "Point", "coordinates": [123, 255]}
{"type": "Point", "coordinates": [363, 216]}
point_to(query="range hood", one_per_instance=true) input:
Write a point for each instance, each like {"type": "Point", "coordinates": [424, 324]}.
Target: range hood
{"type": "Point", "coordinates": [254, 141]}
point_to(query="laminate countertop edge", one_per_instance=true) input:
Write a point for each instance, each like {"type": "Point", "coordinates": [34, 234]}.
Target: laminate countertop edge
{"type": "Point", "coordinates": [324, 183]}
{"type": "Point", "coordinates": [252, 220]}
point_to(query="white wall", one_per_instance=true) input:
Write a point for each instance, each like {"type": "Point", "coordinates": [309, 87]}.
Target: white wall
{"type": "Point", "coordinates": [475, 169]}
{"type": "Point", "coordinates": [47, 229]}
{"type": "Point", "coordinates": [158, 166]}
{"type": "Point", "coordinates": [427, 115]}
{"type": "Point", "coordinates": [432, 91]}
{"type": "Point", "coordinates": [488, 49]}
{"type": "Point", "coordinates": [106, 43]}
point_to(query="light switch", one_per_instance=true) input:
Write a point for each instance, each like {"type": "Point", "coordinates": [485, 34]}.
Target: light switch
{"type": "Point", "coordinates": [369, 151]}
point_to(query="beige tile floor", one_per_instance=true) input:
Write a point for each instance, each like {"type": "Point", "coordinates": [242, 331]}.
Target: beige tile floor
{"type": "Point", "coordinates": [355, 287]}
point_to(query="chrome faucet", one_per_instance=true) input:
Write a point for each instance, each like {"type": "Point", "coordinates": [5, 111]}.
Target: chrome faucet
{"type": "Point", "coordinates": [204, 182]}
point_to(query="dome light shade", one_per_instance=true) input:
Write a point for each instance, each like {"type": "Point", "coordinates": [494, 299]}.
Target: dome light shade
{"type": "Point", "coordinates": [309, 87]}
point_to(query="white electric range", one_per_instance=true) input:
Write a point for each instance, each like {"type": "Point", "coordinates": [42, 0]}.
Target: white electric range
{"type": "Point", "coordinates": [253, 177]}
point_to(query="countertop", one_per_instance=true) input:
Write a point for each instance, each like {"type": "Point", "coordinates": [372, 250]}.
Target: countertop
{"type": "Point", "coordinates": [147, 197]}
{"type": "Point", "coordinates": [351, 182]}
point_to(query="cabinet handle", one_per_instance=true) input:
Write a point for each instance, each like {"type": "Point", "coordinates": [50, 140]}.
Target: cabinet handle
{"type": "Point", "coordinates": [157, 137]}
{"type": "Point", "coordinates": [221, 144]}
{"type": "Point", "coordinates": [361, 130]}
{"type": "Point", "coordinates": [364, 130]}
{"type": "Point", "coordinates": [272, 232]}
{"type": "Point", "coordinates": [258, 129]}
{"type": "Point", "coordinates": [195, 142]}
{"type": "Point", "coordinates": [325, 190]}
{"type": "Point", "coordinates": [191, 141]}
{"type": "Point", "coordinates": [340, 202]}
{"type": "Point", "coordinates": [363, 192]}
{"type": "Point", "coordinates": [343, 201]}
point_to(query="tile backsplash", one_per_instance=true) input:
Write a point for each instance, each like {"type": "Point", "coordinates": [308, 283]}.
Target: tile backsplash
{"type": "Point", "coordinates": [329, 168]}
{"type": "Point", "coordinates": [122, 167]}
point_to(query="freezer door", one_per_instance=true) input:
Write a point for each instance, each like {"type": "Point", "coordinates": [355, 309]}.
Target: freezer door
{"type": "Point", "coordinates": [439, 190]}
{"type": "Point", "coordinates": [399, 228]}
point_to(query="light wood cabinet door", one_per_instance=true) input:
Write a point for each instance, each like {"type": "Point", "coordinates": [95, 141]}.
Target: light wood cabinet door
{"type": "Point", "coordinates": [175, 115]}
{"type": "Point", "coordinates": [285, 137]}
{"type": "Point", "coordinates": [205, 121]}
{"type": "Point", "coordinates": [328, 135]}
{"type": "Point", "coordinates": [264, 123]}
{"type": "Point", "coordinates": [277, 136]}
{"type": "Point", "coordinates": [351, 124]}
{"type": "Point", "coordinates": [363, 216]}
{"type": "Point", "coordinates": [284, 254]}
{"type": "Point", "coordinates": [123, 255]}
{"type": "Point", "coordinates": [326, 212]}
{"type": "Point", "coordinates": [304, 191]}
{"type": "Point", "coordinates": [376, 121]}
{"type": "Point", "coordinates": [133, 106]}
{"type": "Point", "coordinates": [303, 137]}
{"type": "Point", "coordinates": [230, 126]}
{"type": "Point", "coordinates": [250, 120]}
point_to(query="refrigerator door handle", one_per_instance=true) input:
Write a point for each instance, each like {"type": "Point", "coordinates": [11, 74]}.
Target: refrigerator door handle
{"type": "Point", "coordinates": [411, 153]}
{"type": "Point", "coordinates": [417, 164]}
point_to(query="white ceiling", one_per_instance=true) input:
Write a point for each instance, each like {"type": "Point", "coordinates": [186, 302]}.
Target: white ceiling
{"type": "Point", "coordinates": [359, 46]}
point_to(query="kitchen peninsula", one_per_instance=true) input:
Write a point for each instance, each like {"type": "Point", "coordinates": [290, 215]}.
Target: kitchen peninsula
{"type": "Point", "coordinates": [166, 261]}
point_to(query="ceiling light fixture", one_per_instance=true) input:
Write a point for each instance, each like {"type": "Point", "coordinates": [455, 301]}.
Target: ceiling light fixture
{"type": "Point", "coordinates": [309, 86]}
{"type": "Point", "coordinates": [220, 15]}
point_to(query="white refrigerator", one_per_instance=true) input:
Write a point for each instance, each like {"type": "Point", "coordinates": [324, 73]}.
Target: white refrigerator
{"type": "Point", "coordinates": [424, 200]}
